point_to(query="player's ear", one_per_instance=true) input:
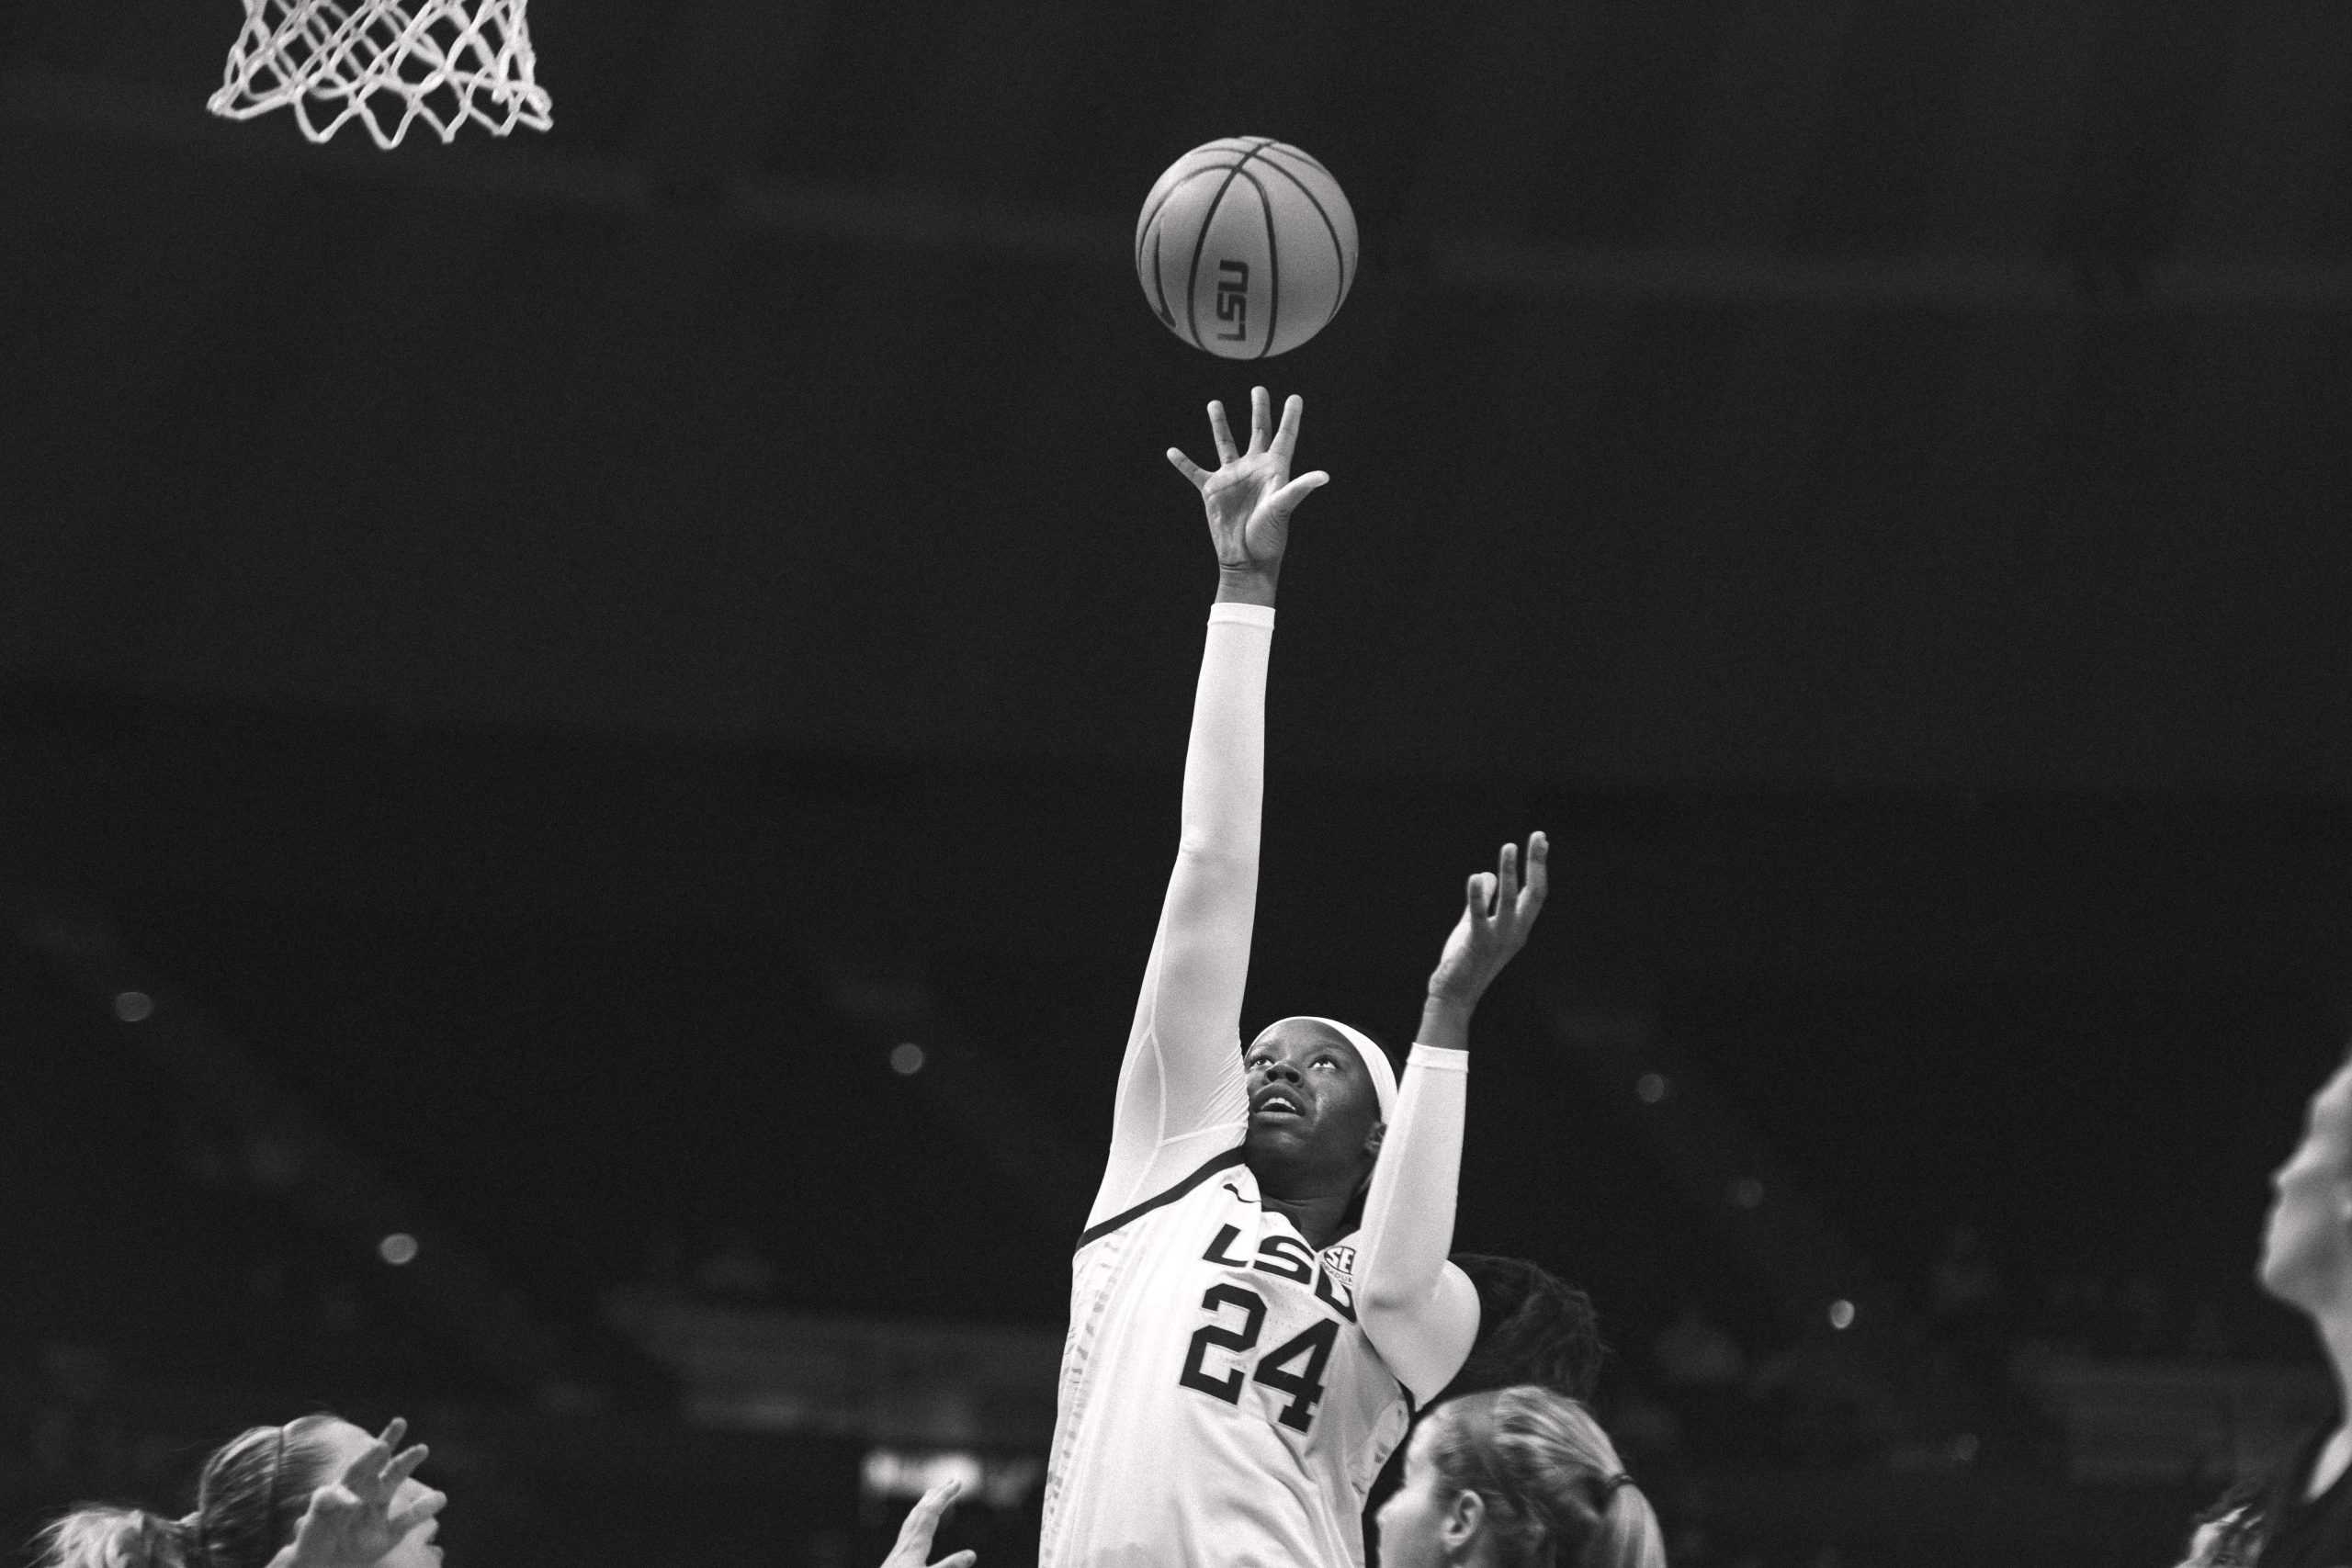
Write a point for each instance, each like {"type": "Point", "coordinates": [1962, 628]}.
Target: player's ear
{"type": "Point", "coordinates": [1371, 1139]}
{"type": "Point", "coordinates": [1464, 1517]}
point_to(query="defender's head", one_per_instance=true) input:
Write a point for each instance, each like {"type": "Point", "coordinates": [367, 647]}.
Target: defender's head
{"type": "Point", "coordinates": [1320, 1095]}
{"type": "Point", "coordinates": [250, 1500]}
{"type": "Point", "coordinates": [2307, 1244]}
{"type": "Point", "coordinates": [1519, 1477]}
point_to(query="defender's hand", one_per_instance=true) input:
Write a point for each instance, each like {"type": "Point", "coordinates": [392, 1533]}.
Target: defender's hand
{"type": "Point", "coordinates": [1497, 915]}
{"type": "Point", "coordinates": [351, 1522]}
{"type": "Point", "coordinates": [1250, 496]}
{"type": "Point", "coordinates": [913, 1549]}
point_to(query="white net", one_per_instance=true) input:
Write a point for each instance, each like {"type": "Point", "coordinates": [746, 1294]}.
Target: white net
{"type": "Point", "coordinates": [387, 63]}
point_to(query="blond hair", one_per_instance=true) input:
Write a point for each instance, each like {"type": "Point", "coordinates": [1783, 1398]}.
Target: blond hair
{"type": "Point", "coordinates": [1557, 1494]}
{"type": "Point", "coordinates": [251, 1493]}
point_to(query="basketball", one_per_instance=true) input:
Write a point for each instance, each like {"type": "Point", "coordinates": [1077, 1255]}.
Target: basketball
{"type": "Point", "coordinates": [1246, 247]}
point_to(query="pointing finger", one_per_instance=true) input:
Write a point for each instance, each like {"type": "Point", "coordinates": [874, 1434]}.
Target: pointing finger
{"type": "Point", "coordinates": [366, 1467]}
{"type": "Point", "coordinates": [925, 1517]}
{"type": "Point", "coordinates": [1221, 432]}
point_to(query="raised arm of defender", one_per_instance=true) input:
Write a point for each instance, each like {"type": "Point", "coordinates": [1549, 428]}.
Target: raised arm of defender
{"type": "Point", "coordinates": [1421, 1312]}
{"type": "Point", "coordinates": [1181, 1084]}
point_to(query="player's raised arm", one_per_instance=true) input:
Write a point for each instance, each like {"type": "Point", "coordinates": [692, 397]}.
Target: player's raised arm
{"type": "Point", "coordinates": [1181, 1085]}
{"type": "Point", "coordinates": [1421, 1312]}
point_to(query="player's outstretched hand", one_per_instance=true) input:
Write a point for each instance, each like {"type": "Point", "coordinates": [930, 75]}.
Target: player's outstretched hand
{"type": "Point", "coordinates": [913, 1549]}
{"type": "Point", "coordinates": [1250, 495]}
{"type": "Point", "coordinates": [351, 1522]}
{"type": "Point", "coordinates": [1497, 915]}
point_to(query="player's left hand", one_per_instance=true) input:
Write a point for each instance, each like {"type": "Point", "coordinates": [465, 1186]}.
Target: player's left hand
{"type": "Point", "coordinates": [913, 1549]}
{"type": "Point", "coordinates": [1497, 913]}
{"type": "Point", "coordinates": [1250, 495]}
{"type": "Point", "coordinates": [351, 1522]}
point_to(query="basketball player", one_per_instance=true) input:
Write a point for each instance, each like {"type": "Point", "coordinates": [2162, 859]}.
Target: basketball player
{"type": "Point", "coordinates": [1241, 1355]}
{"type": "Point", "coordinates": [1533, 1327]}
{"type": "Point", "coordinates": [315, 1493]}
{"type": "Point", "coordinates": [319, 1493]}
{"type": "Point", "coordinates": [2300, 1515]}
{"type": "Point", "coordinates": [1517, 1477]}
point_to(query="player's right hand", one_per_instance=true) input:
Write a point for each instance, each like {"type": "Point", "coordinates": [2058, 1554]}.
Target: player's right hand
{"type": "Point", "coordinates": [1497, 912]}
{"type": "Point", "coordinates": [913, 1549]}
{"type": "Point", "coordinates": [1250, 495]}
{"type": "Point", "coordinates": [351, 1522]}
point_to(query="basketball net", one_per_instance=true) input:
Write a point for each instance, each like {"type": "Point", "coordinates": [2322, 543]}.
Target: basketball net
{"type": "Point", "coordinates": [443, 62]}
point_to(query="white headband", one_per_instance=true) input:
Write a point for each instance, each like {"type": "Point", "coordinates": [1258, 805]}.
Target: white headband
{"type": "Point", "coordinates": [1376, 1060]}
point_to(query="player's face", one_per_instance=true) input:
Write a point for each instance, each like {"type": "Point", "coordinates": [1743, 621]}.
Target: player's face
{"type": "Point", "coordinates": [414, 1550]}
{"type": "Point", "coordinates": [1418, 1526]}
{"type": "Point", "coordinates": [1310, 1095]}
{"type": "Point", "coordinates": [2307, 1245]}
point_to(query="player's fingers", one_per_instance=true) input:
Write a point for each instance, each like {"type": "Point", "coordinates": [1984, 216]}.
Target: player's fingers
{"type": "Point", "coordinates": [1284, 500]}
{"type": "Point", "coordinates": [368, 1461]}
{"type": "Point", "coordinates": [1507, 876]}
{"type": "Point", "coordinates": [925, 1517]}
{"type": "Point", "coordinates": [1286, 435]}
{"type": "Point", "coordinates": [404, 1466]}
{"type": "Point", "coordinates": [1539, 875]}
{"type": "Point", "coordinates": [961, 1560]}
{"type": "Point", "coordinates": [329, 1503]}
{"type": "Point", "coordinates": [361, 1473]}
{"type": "Point", "coordinates": [1261, 419]}
{"type": "Point", "coordinates": [1189, 468]}
{"type": "Point", "coordinates": [394, 1431]}
{"type": "Point", "coordinates": [1481, 896]}
{"type": "Point", "coordinates": [400, 1521]}
{"type": "Point", "coordinates": [1223, 432]}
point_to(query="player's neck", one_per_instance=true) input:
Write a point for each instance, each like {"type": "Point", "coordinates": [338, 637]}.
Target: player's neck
{"type": "Point", "coordinates": [2334, 1326]}
{"type": "Point", "coordinates": [1316, 1218]}
{"type": "Point", "coordinates": [1316, 1198]}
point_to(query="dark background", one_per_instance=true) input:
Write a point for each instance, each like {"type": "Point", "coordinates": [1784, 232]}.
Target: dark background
{"type": "Point", "coordinates": [561, 653]}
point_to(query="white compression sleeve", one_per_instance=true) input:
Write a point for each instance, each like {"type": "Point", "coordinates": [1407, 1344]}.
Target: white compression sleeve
{"type": "Point", "coordinates": [1181, 1088]}
{"type": "Point", "coordinates": [1421, 1312]}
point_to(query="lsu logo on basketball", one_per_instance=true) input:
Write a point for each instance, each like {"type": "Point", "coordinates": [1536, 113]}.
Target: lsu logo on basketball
{"type": "Point", "coordinates": [1232, 299]}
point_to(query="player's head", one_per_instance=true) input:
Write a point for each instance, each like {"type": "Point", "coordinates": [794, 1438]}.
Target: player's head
{"type": "Point", "coordinates": [1533, 1327]}
{"type": "Point", "coordinates": [1320, 1095]}
{"type": "Point", "coordinates": [251, 1495]}
{"type": "Point", "coordinates": [2307, 1243]}
{"type": "Point", "coordinates": [1517, 1477]}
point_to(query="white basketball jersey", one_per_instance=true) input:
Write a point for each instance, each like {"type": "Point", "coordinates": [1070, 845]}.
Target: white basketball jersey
{"type": "Point", "coordinates": [1219, 1407]}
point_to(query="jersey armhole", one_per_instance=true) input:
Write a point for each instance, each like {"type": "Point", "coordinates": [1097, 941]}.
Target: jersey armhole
{"type": "Point", "coordinates": [1224, 1160]}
